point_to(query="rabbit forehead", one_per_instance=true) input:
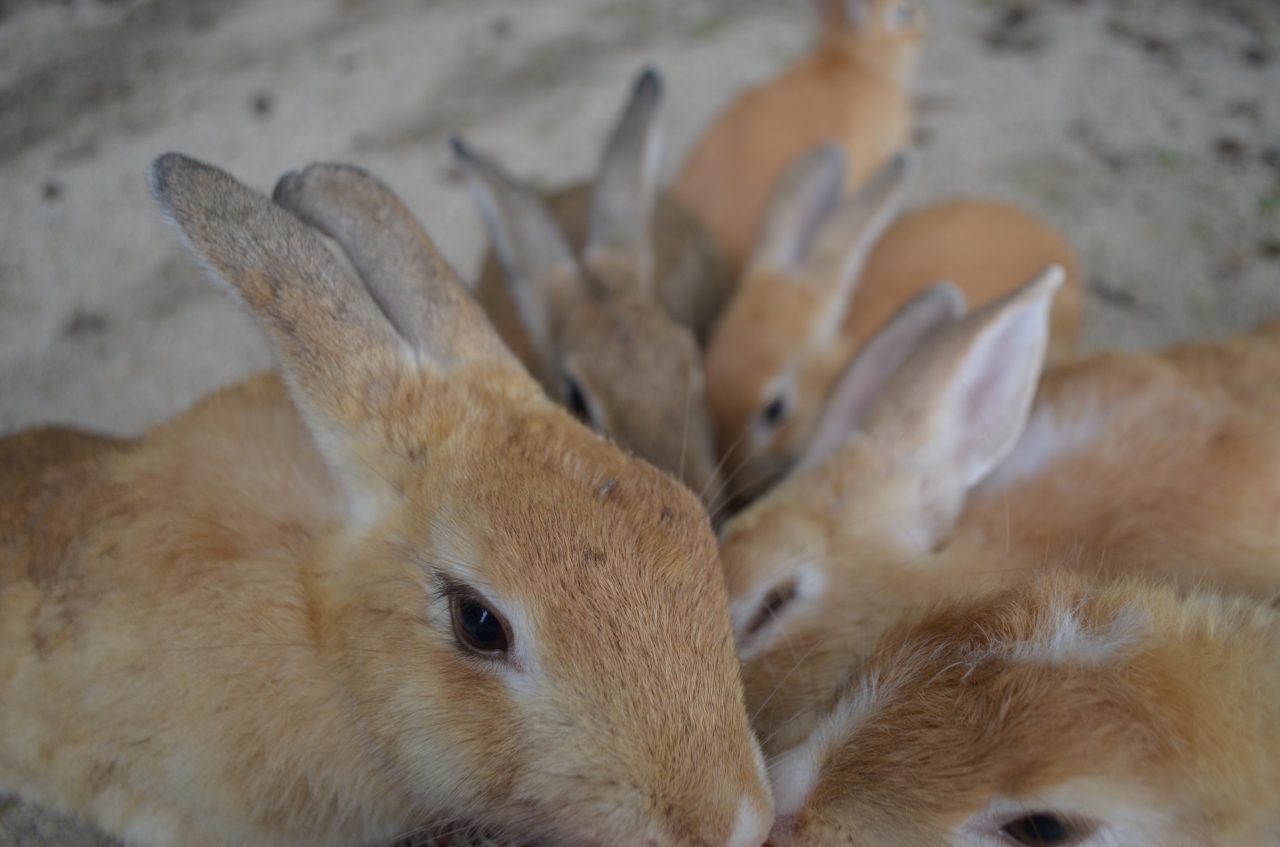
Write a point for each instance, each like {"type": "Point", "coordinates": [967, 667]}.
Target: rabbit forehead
{"type": "Point", "coordinates": [627, 337]}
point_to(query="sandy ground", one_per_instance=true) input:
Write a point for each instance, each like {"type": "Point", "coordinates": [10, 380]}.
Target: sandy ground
{"type": "Point", "coordinates": [1149, 131]}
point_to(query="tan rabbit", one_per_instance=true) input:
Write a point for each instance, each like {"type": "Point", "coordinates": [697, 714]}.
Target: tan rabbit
{"type": "Point", "coordinates": [397, 589]}
{"type": "Point", "coordinates": [932, 475]}
{"type": "Point", "coordinates": [824, 278]}
{"type": "Point", "coordinates": [599, 339]}
{"type": "Point", "coordinates": [853, 90]}
{"type": "Point", "coordinates": [1070, 710]}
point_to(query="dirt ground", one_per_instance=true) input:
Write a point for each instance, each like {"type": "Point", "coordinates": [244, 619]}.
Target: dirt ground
{"type": "Point", "coordinates": [1147, 130]}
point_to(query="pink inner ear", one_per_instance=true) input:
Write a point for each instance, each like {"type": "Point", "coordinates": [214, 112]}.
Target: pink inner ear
{"type": "Point", "coordinates": [993, 391]}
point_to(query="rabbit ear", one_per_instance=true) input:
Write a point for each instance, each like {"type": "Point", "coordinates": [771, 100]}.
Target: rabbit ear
{"type": "Point", "coordinates": [337, 345]}
{"type": "Point", "coordinates": [961, 401]}
{"type": "Point", "coordinates": [844, 244]}
{"type": "Point", "coordinates": [875, 364]}
{"type": "Point", "coordinates": [399, 264]}
{"type": "Point", "coordinates": [802, 199]}
{"type": "Point", "coordinates": [540, 265]}
{"type": "Point", "coordinates": [618, 248]}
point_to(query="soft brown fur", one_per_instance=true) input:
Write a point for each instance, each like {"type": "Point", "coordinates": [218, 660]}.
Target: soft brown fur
{"type": "Point", "coordinates": [852, 90]}
{"type": "Point", "coordinates": [692, 279]}
{"type": "Point", "coordinates": [1164, 730]}
{"type": "Point", "coordinates": [1178, 475]}
{"type": "Point", "coordinates": [234, 630]}
{"type": "Point", "coordinates": [986, 247]}
{"type": "Point", "coordinates": [592, 316]}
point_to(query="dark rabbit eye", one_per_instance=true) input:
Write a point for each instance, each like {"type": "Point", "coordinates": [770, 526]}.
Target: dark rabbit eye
{"type": "Point", "coordinates": [1040, 830]}
{"type": "Point", "coordinates": [477, 627]}
{"type": "Point", "coordinates": [774, 413]}
{"type": "Point", "coordinates": [773, 603]}
{"type": "Point", "coordinates": [575, 399]}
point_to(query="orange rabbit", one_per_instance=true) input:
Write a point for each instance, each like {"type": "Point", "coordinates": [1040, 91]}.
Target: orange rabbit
{"type": "Point", "coordinates": [933, 475]}
{"type": "Point", "coordinates": [398, 589]}
{"type": "Point", "coordinates": [852, 90]}
{"type": "Point", "coordinates": [1069, 711]}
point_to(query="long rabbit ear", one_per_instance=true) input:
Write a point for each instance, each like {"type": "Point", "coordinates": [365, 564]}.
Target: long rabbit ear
{"type": "Point", "coordinates": [844, 244]}
{"type": "Point", "coordinates": [619, 250]}
{"type": "Point", "coordinates": [341, 356]}
{"type": "Point", "coordinates": [802, 199]}
{"type": "Point", "coordinates": [857, 388]}
{"type": "Point", "coordinates": [399, 264]}
{"type": "Point", "coordinates": [540, 265]}
{"type": "Point", "coordinates": [959, 404]}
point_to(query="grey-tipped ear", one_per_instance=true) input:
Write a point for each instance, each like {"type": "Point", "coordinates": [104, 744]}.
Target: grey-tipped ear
{"type": "Point", "coordinates": [961, 401]}
{"type": "Point", "coordinates": [619, 248]}
{"type": "Point", "coordinates": [539, 262]}
{"type": "Point", "coordinates": [802, 199]}
{"type": "Point", "coordinates": [314, 311]}
{"type": "Point", "coordinates": [864, 378]}
{"type": "Point", "coordinates": [337, 345]}
{"type": "Point", "coordinates": [398, 262]}
{"type": "Point", "coordinates": [849, 234]}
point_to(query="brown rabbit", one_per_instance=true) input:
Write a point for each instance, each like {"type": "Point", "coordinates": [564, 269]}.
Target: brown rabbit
{"type": "Point", "coordinates": [938, 477]}
{"type": "Point", "coordinates": [396, 589]}
{"type": "Point", "coordinates": [1070, 710]}
{"type": "Point", "coordinates": [853, 90]}
{"type": "Point", "coordinates": [597, 336]}
{"type": "Point", "coordinates": [827, 273]}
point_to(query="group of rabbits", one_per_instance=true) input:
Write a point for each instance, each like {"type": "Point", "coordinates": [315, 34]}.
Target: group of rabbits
{"type": "Point", "coordinates": [451, 575]}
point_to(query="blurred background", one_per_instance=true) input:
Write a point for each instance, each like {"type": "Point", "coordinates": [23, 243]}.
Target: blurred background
{"type": "Point", "coordinates": [1148, 131]}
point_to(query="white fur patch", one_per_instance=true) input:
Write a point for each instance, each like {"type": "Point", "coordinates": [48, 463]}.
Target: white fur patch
{"type": "Point", "coordinates": [1044, 441]}
{"type": "Point", "coordinates": [751, 826]}
{"type": "Point", "coordinates": [795, 772]}
{"type": "Point", "coordinates": [1066, 640]}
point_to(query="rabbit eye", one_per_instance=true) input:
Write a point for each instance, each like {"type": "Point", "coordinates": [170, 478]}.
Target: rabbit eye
{"type": "Point", "coordinates": [1040, 830]}
{"type": "Point", "coordinates": [773, 602]}
{"type": "Point", "coordinates": [775, 413]}
{"type": "Point", "coordinates": [476, 626]}
{"type": "Point", "coordinates": [575, 400]}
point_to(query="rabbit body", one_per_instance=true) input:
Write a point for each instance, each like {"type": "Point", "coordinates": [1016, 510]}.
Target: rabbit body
{"type": "Point", "coordinates": [271, 621]}
{"type": "Point", "coordinates": [988, 248]}
{"type": "Point", "coordinates": [953, 484]}
{"type": "Point", "coordinates": [852, 90]}
{"type": "Point", "coordinates": [1068, 709]}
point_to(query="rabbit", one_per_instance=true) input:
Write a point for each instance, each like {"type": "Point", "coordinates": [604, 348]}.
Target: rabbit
{"type": "Point", "coordinates": [593, 331]}
{"type": "Point", "coordinates": [827, 273]}
{"type": "Point", "coordinates": [394, 590]}
{"type": "Point", "coordinates": [1069, 709]}
{"type": "Point", "coordinates": [852, 90]}
{"type": "Point", "coordinates": [933, 474]}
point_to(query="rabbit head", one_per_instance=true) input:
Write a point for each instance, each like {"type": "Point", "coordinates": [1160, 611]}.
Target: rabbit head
{"type": "Point", "coordinates": [828, 559]}
{"type": "Point", "coordinates": [1068, 710]}
{"type": "Point", "coordinates": [889, 32]}
{"type": "Point", "coordinates": [779, 348]}
{"type": "Point", "coordinates": [605, 345]}
{"type": "Point", "coordinates": [529, 625]}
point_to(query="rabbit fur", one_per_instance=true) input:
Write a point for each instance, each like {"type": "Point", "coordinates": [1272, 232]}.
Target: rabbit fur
{"type": "Point", "coordinates": [244, 627]}
{"type": "Point", "coordinates": [594, 330]}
